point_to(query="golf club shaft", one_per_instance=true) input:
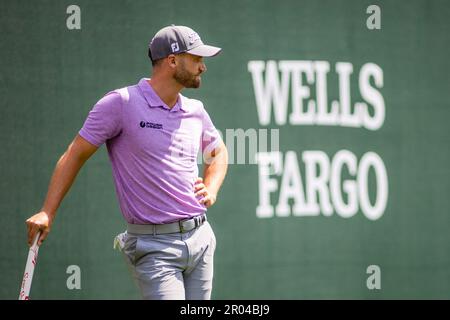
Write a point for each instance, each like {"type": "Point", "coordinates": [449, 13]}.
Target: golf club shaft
{"type": "Point", "coordinates": [29, 270]}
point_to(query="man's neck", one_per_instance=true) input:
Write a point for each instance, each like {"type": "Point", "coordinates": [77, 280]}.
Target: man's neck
{"type": "Point", "coordinates": [167, 90]}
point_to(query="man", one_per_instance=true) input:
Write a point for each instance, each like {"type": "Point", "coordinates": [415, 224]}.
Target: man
{"type": "Point", "coordinates": [153, 135]}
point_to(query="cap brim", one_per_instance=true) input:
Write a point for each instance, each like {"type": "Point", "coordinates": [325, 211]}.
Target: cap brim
{"type": "Point", "coordinates": [205, 51]}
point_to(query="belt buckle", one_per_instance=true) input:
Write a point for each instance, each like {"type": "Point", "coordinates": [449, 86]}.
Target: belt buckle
{"type": "Point", "coordinates": [197, 222]}
{"type": "Point", "coordinates": [180, 223]}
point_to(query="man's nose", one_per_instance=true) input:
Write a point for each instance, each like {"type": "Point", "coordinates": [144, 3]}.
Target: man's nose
{"type": "Point", "coordinates": [203, 67]}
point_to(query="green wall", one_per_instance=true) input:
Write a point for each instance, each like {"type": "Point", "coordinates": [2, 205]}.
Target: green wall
{"type": "Point", "coordinates": [51, 76]}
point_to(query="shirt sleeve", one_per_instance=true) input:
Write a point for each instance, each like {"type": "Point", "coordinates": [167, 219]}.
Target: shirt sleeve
{"type": "Point", "coordinates": [104, 120]}
{"type": "Point", "coordinates": [210, 136]}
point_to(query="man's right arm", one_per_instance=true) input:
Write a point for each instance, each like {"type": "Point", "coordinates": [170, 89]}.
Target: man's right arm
{"type": "Point", "coordinates": [63, 176]}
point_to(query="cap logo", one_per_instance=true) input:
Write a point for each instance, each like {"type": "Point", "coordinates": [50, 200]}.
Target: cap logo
{"type": "Point", "coordinates": [175, 47]}
{"type": "Point", "coordinates": [193, 37]}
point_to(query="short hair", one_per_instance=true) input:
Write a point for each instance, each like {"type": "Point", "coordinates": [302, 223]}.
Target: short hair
{"type": "Point", "coordinates": [154, 62]}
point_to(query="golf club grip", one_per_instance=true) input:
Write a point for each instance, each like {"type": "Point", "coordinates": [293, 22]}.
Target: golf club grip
{"type": "Point", "coordinates": [29, 270]}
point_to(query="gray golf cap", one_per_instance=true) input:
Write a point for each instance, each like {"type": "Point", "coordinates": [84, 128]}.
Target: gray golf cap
{"type": "Point", "coordinates": [179, 39]}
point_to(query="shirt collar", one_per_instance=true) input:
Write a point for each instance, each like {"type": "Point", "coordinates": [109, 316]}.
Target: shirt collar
{"type": "Point", "coordinates": [154, 100]}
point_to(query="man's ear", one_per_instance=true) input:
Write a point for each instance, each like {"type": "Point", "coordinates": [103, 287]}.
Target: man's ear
{"type": "Point", "coordinates": [172, 61]}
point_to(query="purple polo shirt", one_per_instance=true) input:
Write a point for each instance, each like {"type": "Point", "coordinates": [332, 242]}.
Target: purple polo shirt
{"type": "Point", "coordinates": [153, 151]}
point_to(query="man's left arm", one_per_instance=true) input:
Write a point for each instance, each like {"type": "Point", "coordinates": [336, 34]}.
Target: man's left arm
{"type": "Point", "coordinates": [215, 169]}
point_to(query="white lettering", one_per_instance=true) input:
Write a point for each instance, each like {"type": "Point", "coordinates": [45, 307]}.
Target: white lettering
{"type": "Point", "coordinates": [270, 89]}
{"type": "Point", "coordinates": [74, 280]}
{"type": "Point", "coordinates": [374, 20]}
{"type": "Point", "coordinates": [74, 20]}
{"type": "Point", "coordinates": [269, 163]}
{"type": "Point", "coordinates": [374, 280]}
{"type": "Point", "coordinates": [347, 119]}
{"type": "Point", "coordinates": [291, 187]}
{"type": "Point", "coordinates": [321, 193]}
{"type": "Point", "coordinates": [300, 92]}
{"type": "Point", "coordinates": [316, 181]}
{"type": "Point", "coordinates": [371, 95]}
{"type": "Point", "coordinates": [272, 92]}
{"type": "Point", "coordinates": [323, 117]}
{"type": "Point", "coordinates": [368, 160]}
{"type": "Point", "coordinates": [344, 157]}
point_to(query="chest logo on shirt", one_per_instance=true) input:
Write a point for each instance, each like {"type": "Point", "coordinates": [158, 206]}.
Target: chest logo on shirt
{"type": "Point", "coordinates": [146, 124]}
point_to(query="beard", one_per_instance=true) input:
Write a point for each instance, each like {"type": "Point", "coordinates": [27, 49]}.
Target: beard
{"type": "Point", "coordinates": [185, 78]}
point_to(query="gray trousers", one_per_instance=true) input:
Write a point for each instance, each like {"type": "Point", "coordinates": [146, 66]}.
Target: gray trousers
{"type": "Point", "coordinates": [174, 266]}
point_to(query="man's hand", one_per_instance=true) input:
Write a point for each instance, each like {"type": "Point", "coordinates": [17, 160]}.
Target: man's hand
{"type": "Point", "coordinates": [41, 221]}
{"type": "Point", "coordinates": [208, 199]}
